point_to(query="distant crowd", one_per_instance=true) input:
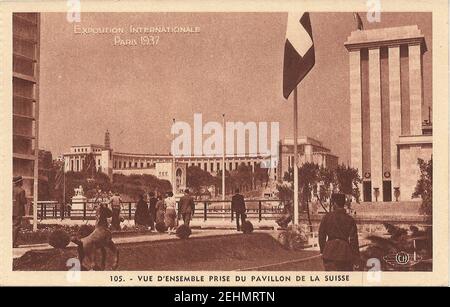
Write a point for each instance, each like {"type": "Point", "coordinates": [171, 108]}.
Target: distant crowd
{"type": "Point", "coordinates": [152, 209]}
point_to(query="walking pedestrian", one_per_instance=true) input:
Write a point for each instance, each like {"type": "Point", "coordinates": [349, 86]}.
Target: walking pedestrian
{"type": "Point", "coordinates": [160, 209]}
{"type": "Point", "coordinates": [116, 203]}
{"type": "Point", "coordinates": [171, 213]}
{"type": "Point", "coordinates": [152, 210]}
{"type": "Point", "coordinates": [141, 215]}
{"type": "Point", "coordinates": [186, 207]}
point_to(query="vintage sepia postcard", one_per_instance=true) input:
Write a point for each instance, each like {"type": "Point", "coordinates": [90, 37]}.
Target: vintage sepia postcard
{"type": "Point", "coordinates": [224, 143]}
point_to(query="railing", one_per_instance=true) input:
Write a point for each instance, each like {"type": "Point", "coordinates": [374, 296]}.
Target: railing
{"type": "Point", "coordinates": [268, 209]}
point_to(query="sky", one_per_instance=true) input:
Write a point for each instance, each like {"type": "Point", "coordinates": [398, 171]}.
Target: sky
{"type": "Point", "coordinates": [232, 66]}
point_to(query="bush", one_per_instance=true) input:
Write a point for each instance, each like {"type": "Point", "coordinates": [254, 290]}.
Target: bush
{"type": "Point", "coordinates": [294, 238]}
{"type": "Point", "coordinates": [247, 227]}
{"type": "Point", "coordinates": [59, 239]}
{"type": "Point", "coordinates": [183, 232]}
{"type": "Point", "coordinates": [85, 230]}
{"type": "Point", "coordinates": [161, 227]}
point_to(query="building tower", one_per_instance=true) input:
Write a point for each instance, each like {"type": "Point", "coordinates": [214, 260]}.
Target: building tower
{"type": "Point", "coordinates": [25, 83]}
{"type": "Point", "coordinates": [107, 140]}
{"type": "Point", "coordinates": [386, 97]}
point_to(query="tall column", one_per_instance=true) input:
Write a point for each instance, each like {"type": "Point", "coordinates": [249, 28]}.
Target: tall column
{"type": "Point", "coordinates": [394, 110]}
{"type": "Point", "coordinates": [355, 111]}
{"type": "Point", "coordinates": [375, 123]}
{"type": "Point", "coordinates": [415, 89]}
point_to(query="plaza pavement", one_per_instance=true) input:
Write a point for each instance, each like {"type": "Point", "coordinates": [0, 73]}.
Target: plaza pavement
{"type": "Point", "coordinates": [142, 238]}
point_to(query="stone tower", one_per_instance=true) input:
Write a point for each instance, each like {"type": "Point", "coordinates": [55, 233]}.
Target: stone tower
{"type": "Point", "coordinates": [107, 140]}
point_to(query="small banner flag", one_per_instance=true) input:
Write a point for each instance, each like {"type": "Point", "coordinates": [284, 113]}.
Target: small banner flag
{"type": "Point", "coordinates": [359, 23]}
{"type": "Point", "coordinates": [59, 177]}
{"type": "Point", "coordinates": [299, 55]}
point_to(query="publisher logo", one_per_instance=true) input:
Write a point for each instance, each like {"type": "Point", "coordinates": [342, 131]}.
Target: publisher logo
{"type": "Point", "coordinates": [402, 259]}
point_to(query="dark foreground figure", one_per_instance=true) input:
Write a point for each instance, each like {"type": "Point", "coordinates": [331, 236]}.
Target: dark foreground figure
{"type": "Point", "coordinates": [338, 238]}
{"type": "Point", "coordinates": [238, 207]}
{"type": "Point", "coordinates": [19, 202]}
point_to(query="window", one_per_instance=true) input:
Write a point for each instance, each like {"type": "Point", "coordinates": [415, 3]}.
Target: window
{"type": "Point", "coordinates": [212, 167]}
{"type": "Point", "coordinates": [129, 164]}
{"type": "Point", "coordinates": [218, 166]}
{"type": "Point", "coordinates": [148, 164]}
{"type": "Point", "coordinates": [120, 164]}
{"type": "Point", "coordinates": [135, 164]}
{"type": "Point", "coordinates": [237, 165]}
{"type": "Point", "coordinates": [231, 166]}
{"type": "Point", "coordinates": [205, 166]}
{"type": "Point", "coordinates": [142, 164]}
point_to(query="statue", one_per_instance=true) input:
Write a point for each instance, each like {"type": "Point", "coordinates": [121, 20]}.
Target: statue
{"type": "Point", "coordinates": [79, 191]}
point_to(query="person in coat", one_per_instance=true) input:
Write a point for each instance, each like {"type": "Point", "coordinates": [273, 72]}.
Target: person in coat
{"type": "Point", "coordinates": [338, 238]}
{"type": "Point", "coordinates": [19, 202]}
{"type": "Point", "coordinates": [152, 209]}
{"type": "Point", "coordinates": [238, 207]}
{"type": "Point", "coordinates": [141, 215]}
{"type": "Point", "coordinates": [186, 207]}
{"type": "Point", "coordinates": [160, 210]}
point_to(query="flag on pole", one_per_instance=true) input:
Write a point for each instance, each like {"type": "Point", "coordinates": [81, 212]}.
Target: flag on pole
{"type": "Point", "coordinates": [59, 177]}
{"type": "Point", "coordinates": [299, 55]}
{"type": "Point", "coordinates": [359, 23]}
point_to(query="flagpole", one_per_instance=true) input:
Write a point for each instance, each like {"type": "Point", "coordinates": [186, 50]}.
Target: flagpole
{"type": "Point", "coordinates": [223, 157]}
{"type": "Point", "coordinates": [64, 188]}
{"type": "Point", "coordinates": [295, 159]}
{"type": "Point", "coordinates": [174, 184]}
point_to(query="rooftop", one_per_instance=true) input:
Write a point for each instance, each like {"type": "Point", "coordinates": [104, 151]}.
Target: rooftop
{"type": "Point", "coordinates": [385, 37]}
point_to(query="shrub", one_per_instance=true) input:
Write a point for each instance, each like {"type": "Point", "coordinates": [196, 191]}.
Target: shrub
{"type": "Point", "coordinates": [247, 227]}
{"type": "Point", "coordinates": [59, 238]}
{"type": "Point", "coordinates": [85, 230]}
{"type": "Point", "coordinates": [161, 227]}
{"type": "Point", "coordinates": [183, 232]}
{"type": "Point", "coordinates": [294, 238]}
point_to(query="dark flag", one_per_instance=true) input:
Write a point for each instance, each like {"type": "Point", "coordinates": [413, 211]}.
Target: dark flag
{"type": "Point", "coordinates": [299, 55]}
{"type": "Point", "coordinates": [59, 177]}
{"type": "Point", "coordinates": [358, 21]}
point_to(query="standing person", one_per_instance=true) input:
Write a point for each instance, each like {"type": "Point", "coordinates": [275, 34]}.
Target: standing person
{"type": "Point", "coordinates": [115, 202]}
{"type": "Point", "coordinates": [160, 209]}
{"type": "Point", "coordinates": [338, 238]}
{"type": "Point", "coordinates": [187, 207]}
{"type": "Point", "coordinates": [152, 209]}
{"type": "Point", "coordinates": [19, 202]}
{"type": "Point", "coordinates": [238, 207]}
{"type": "Point", "coordinates": [141, 215]}
{"type": "Point", "coordinates": [171, 212]}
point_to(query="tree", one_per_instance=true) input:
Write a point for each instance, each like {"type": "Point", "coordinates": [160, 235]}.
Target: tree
{"type": "Point", "coordinates": [424, 186]}
{"type": "Point", "coordinates": [242, 177]}
{"type": "Point", "coordinates": [89, 165]}
{"type": "Point", "coordinates": [46, 175]}
{"type": "Point", "coordinates": [196, 178]}
{"type": "Point", "coordinates": [326, 179]}
{"type": "Point", "coordinates": [261, 175]}
{"type": "Point", "coordinates": [308, 176]}
{"type": "Point", "coordinates": [228, 181]}
{"type": "Point", "coordinates": [347, 181]}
